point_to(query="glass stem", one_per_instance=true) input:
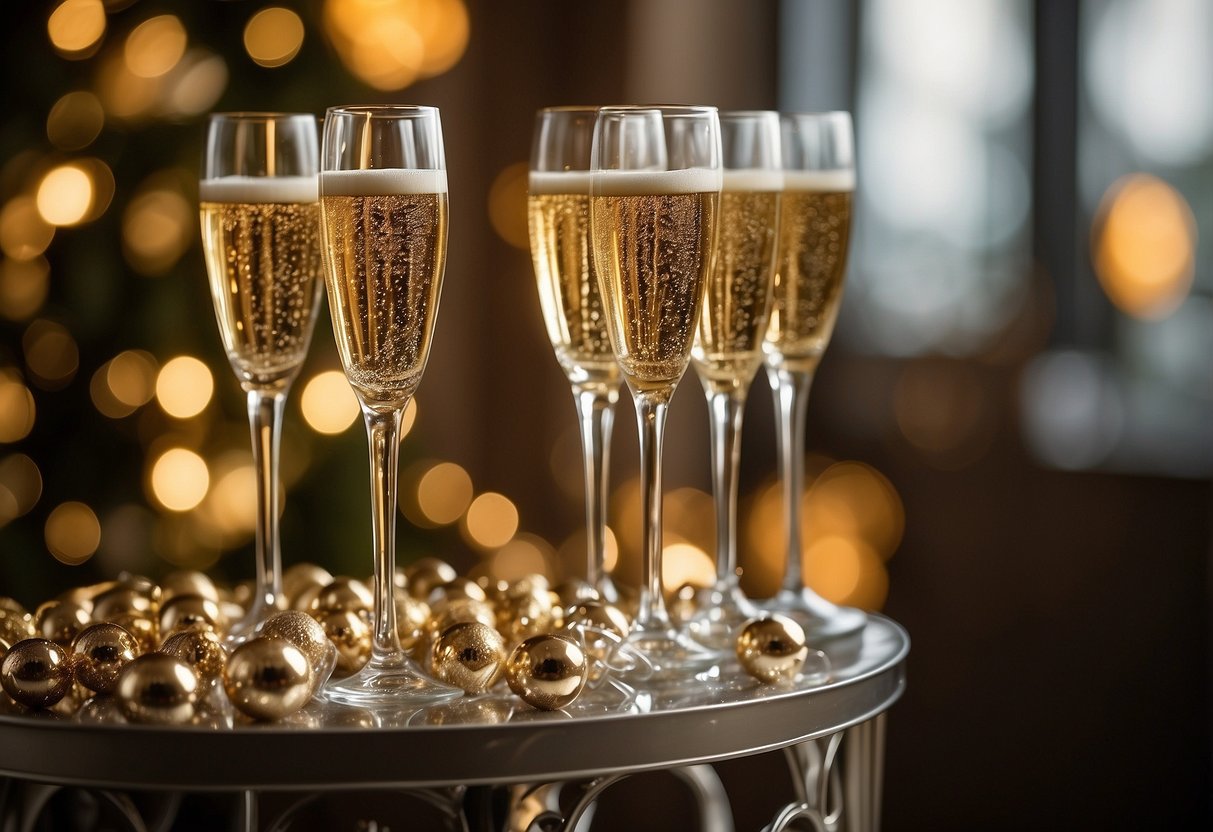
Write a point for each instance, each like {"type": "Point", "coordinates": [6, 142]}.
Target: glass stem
{"type": "Point", "coordinates": [650, 418]}
{"type": "Point", "coordinates": [265, 423]}
{"type": "Point", "coordinates": [725, 409]}
{"type": "Point", "coordinates": [596, 413]}
{"type": "Point", "coordinates": [383, 434]}
{"type": "Point", "coordinates": [792, 398]}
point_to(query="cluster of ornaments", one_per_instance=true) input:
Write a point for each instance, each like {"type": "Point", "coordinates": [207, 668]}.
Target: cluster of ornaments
{"type": "Point", "coordinates": [156, 653]}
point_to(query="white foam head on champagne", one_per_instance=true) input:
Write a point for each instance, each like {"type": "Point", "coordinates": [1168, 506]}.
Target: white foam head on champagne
{"type": "Point", "coordinates": [385, 182]}
{"type": "Point", "coordinates": [753, 179]}
{"type": "Point", "coordinates": [824, 181]}
{"type": "Point", "coordinates": [559, 182]}
{"type": "Point", "coordinates": [655, 183]}
{"type": "Point", "coordinates": [258, 189]}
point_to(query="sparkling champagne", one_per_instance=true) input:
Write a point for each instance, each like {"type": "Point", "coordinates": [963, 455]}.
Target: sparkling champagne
{"type": "Point", "coordinates": [653, 235]}
{"type": "Point", "coordinates": [261, 236]}
{"type": "Point", "coordinates": [737, 302]}
{"type": "Point", "coordinates": [811, 260]}
{"type": "Point", "coordinates": [385, 253]}
{"type": "Point", "coordinates": [559, 215]}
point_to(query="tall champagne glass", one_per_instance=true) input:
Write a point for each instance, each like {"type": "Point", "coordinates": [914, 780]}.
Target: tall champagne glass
{"type": "Point", "coordinates": [814, 230]}
{"type": "Point", "coordinates": [260, 235]}
{"type": "Point", "coordinates": [655, 191]}
{"type": "Point", "coordinates": [728, 342]}
{"type": "Point", "coordinates": [558, 209]}
{"type": "Point", "coordinates": [383, 210]}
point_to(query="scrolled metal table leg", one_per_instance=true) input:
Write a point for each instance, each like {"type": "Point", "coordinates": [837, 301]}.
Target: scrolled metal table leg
{"type": "Point", "coordinates": [816, 785]}
{"type": "Point", "coordinates": [715, 811]}
{"type": "Point", "coordinates": [864, 774]}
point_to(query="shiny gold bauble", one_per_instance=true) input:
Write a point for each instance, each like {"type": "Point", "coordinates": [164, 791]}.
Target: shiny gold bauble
{"type": "Point", "coordinates": [446, 614]}
{"type": "Point", "coordinates": [158, 688]}
{"type": "Point", "coordinates": [144, 628]}
{"type": "Point", "coordinates": [592, 619]}
{"type": "Point", "coordinates": [184, 612]}
{"type": "Point", "coordinates": [531, 584]}
{"type": "Point", "coordinates": [268, 678]}
{"type": "Point", "coordinates": [494, 588]}
{"type": "Point", "coordinates": [305, 598]}
{"type": "Point", "coordinates": [456, 589]}
{"type": "Point", "coordinates": [772, 648]}
{"type": "Point", "coordinates": [523, 615]}
{"type": "Point", "coordinates": [36, 672]}
{"type": "Point", "coordinates": [470, 656]}
{"type": "Point", "coordinates": [200, 649]}
{"type": "Point", "coordinates": [411, 618]}
{"type": "Point", "coordinates": [11, 606]}
{"type": "Point", "coordinates": [298, 577]}
{"type": "Point", "coordinates": [143, 585]}
{"type": "Point", "coordinates": [421, 576]}
{"type": "Point", "coordinates": [350, 633]}
{"type": "Point", "coordinates": [121, 601]}
{"type": "Point", "coordinates": [80, 596]}
{"type": "Point", "coordinates": [61, 621]}
{"type": "Point", "coordinates": [345, 594]}
{"type": "Point", "coordinates": [187, 582]}
{"type": "Point", "coordinates": [16, 626]}
{"type": "Point", "coordinates": [100, 652]}
{"type": "Point", "coordinates": [574, 591]}
{"type": "Point", "coordinates": [301, 630]}
{"type": "Point", "coordinates": [548, 672]}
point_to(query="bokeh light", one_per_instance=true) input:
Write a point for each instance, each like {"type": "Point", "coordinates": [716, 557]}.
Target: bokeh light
{"type": "Point", "coordinates": [75, 120]}
{"type": "Point", "coordinates": [20, 486]}
{"type": "Point", "coordinates": [198, 83]}
{"type": "Point", "coordinates": [73, 533]}
{"type": "Point", "coordinates": [179, 479]}
{"type": "Point", "coordinates": [507, 205]}
{"type": "Point", "coordinates": [491, 520]}
{"type": "Point", "coordinates": [131, 377]}
{"type": "Point", "coordinates": [854, 500]}
{"type": "Point", "coordinates": [943, 411]}
{"type": "Point", "coordinates": [273, 36]}
{"type": "Point", "coordinates": [685, 563]}
{"type": "Point", "coordinates": [51, 354]}
{"type": "Point", "coordinates": [388, 44]}
{"type": "Point", "coordinates": [522, 556]}
{"type": "Point", "coordinates": [157, 227]}
{"type": "Point", "coordinates": [23, 287]}
{"type": "Point", "coordinates": [155, 46]}
{"type": "Point", "coordinates": [125, 95]}
{"type": "Point", "coordinates": [65, 195]}
{"type": "Point", "coordinates": [846, 570]}
{"type": "Point", "coordinates": [76, 27]}
{"type": "Point", "coordinates": [329, 405]}
{"type": "Point", "coordinates": [24, 234]}
{"type": "Point", "coordinates": [230, 507]}
{"type": "Point", "coordinates": [1144, 246]}
{"type": "Point", "coordinates": [184, 387]}
{"type": "Point", "coordinates": [17, 409]}
{"type": "Point", "coordinates": [444, 493]}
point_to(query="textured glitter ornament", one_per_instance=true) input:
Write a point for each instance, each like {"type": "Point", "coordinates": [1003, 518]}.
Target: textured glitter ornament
{"type": "Point", "coordinates": [772, 648]}
{"type": "Point", "coordinates": [548, 672]}
{"type": "Point", "coordinates": [345, 595]}
{"type": "Point", "coordinates": [16, 625]}
{"type": "Point", "coordinates": [144, 628]}
{"type": "Point", "coordinates": [187, 611]}
{"type": "Point", "coordinates": [157, 688]}
{"type": "Point", "coordinates": [421, 576]}
{"type": "Point", "coordinates": [351, 635]}
{"type": "Point", "coordinates": [200, 649]}
{"type": "Point", "coordinates": [470, 656]}
{"type": "Point", "coordinates": [268, 678]}
{"type": "Point", "coordinates": [526, 614]}
{"type": "Point", "coordinates": [36, 672]}
{"type": "Point", "coordinates": [61, 621]}
{"type": "Point", "coordinates": [99, 653]}
{"type": "Point", "coordinates": [301, 630]}
{"type": "Point", "coordinates": [446, 614]}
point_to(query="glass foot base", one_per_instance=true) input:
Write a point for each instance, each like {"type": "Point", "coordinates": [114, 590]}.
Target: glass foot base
{"type": "Point", "coordinates": [244, 629]}
{"type": "Point", "coordinates": [391, 682]}
{"type": "Point", "coordinates": [821, 619]}
{"type": "Point", "coordinates": [722, 610]}
{"type": "Point", "coordinates": [665, 656]}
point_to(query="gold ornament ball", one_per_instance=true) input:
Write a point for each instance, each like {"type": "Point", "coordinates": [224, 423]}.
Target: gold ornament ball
{"type": "Point", "coordinates": [61, 621]}
{"type": "Point", "coordinates": [268, 678]}
{"type": "Point", "coordinates": [143, 627]}
{"type": "Point", "coordinates": [100, 652]}
{"type": "Point", "coordinates": [574, 591]}
{"type": "Point", "coordinates": [121, 601]}
{"type": "Point", "coordinates": [11, 606]}
{"type": "Point", "coordinates": [200, 649]}
{"type": "Point", "coordinates": [158, 688]}
{"type": "Point", "coordinates": [346, 595]}
{"type": "Point", "coordinates": [141, 584]}
{"type": "Point", "coordinates": [36, 672]}
{"type": "Point", "coordinates": [411, 618]}
{"type": "Point", "coordinates": [527, 614]}
{"type": "Point", "coordinates": [421, 576]}
{"type": "Point", "coordinates": [470, 656]}
{"type": "Point", "coordinates": [186, 611]}
{"type": "Point", "coordinates": [350, 633]}
{"type": "Point", "coordinates": [458, 588]}
{"type": "Point", "coordinates": [548, 672]}
{"type": "Point", "coordinates": [300, 576]}
{"type": "Point", "coordinates": [301, 630]}
{"type": "Point", "coordinates": [187, 582]}
{"type": "Point", "coordinates": [772, 648]}
{"type": "Point", "coordinates": [16, 626]}
{"type": "Point", "coordinates": [445, 614]}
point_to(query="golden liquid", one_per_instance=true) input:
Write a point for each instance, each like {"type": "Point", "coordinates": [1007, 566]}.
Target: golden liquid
{"type": "Point", "coordinates": [263, 262]}
{"type": "Point", "coordinates": [814, 228]}
{"type": "Point", "coordinates": [737, 301]}
{"type": "Point", "coordinates": [568, 287]}
{"type": "Point", "coordinates": [653, 254]}
{"type": "Point", "coordinates": [384, 257]}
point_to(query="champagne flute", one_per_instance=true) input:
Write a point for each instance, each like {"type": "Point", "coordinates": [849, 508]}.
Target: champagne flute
{"type": "Point", "coordinates": [558, 208]}
{"type": "Point", "coordinates": [383, 211]}
{"type": "Point", "coordinates": [728, 343]}
{"type": "Point", "coordinates": [655, 189]}
{"type": "Point", "coordinates": [814, 230]}
{"type": "Point", "coordinates": [260, 236]}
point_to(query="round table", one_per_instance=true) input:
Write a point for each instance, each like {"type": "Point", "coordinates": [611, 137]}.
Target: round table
{"type": "Point", "coordinates": [553, 763]}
